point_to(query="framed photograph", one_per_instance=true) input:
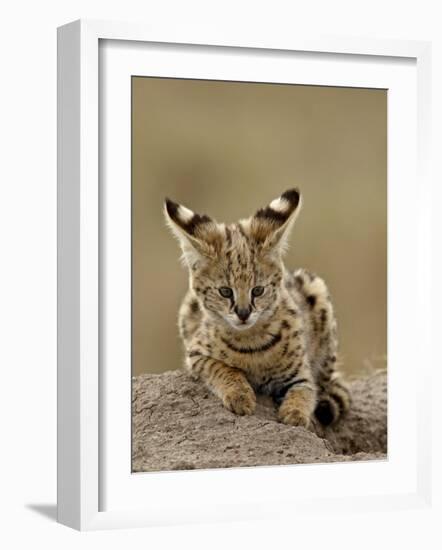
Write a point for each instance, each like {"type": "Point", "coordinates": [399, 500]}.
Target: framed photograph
{"type": "Point", "coordinates": [240, 227]}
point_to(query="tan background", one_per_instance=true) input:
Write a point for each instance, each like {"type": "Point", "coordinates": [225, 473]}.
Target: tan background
{"type": "Point", "coordinates": [227, 148]}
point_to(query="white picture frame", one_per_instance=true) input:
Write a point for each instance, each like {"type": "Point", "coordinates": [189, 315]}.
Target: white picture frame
{"type": "Point", "coordinates": [83, 446]}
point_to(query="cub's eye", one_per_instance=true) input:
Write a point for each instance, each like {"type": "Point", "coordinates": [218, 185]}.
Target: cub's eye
{"type": "Point", "coordinates": [226, 292]}
{"type": "Point", "coordinates": [257, 291]}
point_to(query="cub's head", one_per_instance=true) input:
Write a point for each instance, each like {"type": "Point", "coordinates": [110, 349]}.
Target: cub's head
{"type": "Point", "coordinates": [236, 270]}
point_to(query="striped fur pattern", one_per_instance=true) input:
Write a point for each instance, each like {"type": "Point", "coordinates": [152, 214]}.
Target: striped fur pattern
{"type": "Point", "coordinates": [251, 326]}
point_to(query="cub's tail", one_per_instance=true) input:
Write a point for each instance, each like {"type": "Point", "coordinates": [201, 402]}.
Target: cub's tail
{"type": "Point", "coordinates": [333, 403]}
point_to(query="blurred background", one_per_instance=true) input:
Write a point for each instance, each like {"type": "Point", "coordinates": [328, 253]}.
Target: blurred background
{"type": "Point", "coordinates": [228, 148]}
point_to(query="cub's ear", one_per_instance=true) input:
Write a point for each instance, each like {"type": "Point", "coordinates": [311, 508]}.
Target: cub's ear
{"type": "Point", "coordinates": [271, 225]}
{"type": "Point", "coordinates": [199, 236]}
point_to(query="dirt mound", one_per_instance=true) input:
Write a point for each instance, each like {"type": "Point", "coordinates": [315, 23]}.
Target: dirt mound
{"type": "Point", "coordinates": [179, 425]}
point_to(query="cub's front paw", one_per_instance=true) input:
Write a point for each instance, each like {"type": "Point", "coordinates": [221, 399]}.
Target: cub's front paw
{"type": "Point", "coordinates": [240, 400]}
{"type": "Point", "coordinates": [288, 414]}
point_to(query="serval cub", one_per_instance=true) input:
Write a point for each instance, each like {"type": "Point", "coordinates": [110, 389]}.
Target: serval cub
{"type": "Point", "coordinates": [250, 325]}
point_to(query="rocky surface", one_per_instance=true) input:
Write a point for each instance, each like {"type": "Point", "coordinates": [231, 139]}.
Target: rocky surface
{"type": "Point", "coordinates": [179, 425]}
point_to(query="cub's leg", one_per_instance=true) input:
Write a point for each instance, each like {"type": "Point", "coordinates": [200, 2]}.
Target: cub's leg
{"type": "Point", "coordinates": [228, 383]}
{"type": "Point", "coordinates": [333, 398]}
{"type": "Point", "coordinates": [299, 403]}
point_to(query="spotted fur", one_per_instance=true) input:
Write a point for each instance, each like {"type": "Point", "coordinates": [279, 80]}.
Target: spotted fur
{"type": "Point", "coordinates": [251, 326]}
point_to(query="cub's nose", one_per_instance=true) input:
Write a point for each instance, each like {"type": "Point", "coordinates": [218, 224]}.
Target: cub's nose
{"type": "Point", "coordinates": [243, 313]}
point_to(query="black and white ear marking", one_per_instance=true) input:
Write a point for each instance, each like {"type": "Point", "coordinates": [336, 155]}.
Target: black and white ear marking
{"type": "Point", "coordinates": [199, 235]}
{"type": "Point", "coordinates": [279, 210]}
{"type": "Point", "coordinates": [271, 225]}
{"type": "Point", "coordinates": [187, 220]}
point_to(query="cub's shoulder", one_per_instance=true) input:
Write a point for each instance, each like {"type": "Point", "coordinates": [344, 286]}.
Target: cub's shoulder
{"type": "Point", "coordinates": [189, 316]}
{"type": "Point", "coordinates": [309, 284]}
